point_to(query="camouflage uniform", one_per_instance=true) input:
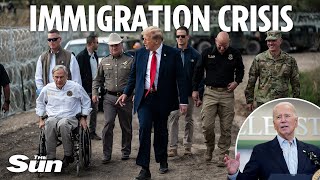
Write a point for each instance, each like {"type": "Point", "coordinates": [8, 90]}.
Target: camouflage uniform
{"type": "Point", "coordinates": [274, 78]}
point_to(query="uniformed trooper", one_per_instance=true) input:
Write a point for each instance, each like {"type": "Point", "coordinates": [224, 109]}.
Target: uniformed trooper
{"type": "Point", "coordinates": [224, 72]}
{"type": "Point", "coordinates": [113, 73]}
{"type": "Point", "coordinates": [275, 70]}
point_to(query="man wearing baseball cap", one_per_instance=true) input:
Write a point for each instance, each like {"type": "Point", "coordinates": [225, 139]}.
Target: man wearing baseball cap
{"type": "Point", "coordinates": [113, 73]}
{"type": "Point", "coordinates": [275, 70]}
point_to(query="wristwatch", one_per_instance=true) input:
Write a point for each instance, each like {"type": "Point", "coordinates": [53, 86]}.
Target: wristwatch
{"type": "Point", "coordinates": [7, 101]}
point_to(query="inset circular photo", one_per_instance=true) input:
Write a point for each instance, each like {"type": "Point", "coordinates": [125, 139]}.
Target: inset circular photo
{"type": "Point", "coordinates": [280, 139]}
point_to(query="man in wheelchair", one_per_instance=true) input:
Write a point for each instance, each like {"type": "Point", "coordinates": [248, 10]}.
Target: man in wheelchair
{"type": "Point", "coordinates": [62, 100]}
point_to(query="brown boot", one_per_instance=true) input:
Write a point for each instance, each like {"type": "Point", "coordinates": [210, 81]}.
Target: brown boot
{"type": "Point", "coordinates": [172, 152]}
{"type": "Point", "coordinates": [187, 151]}
{"type": "Point", "coordinates": [220, 162]}
{"type": "Point", "coordinates": [208, 154]}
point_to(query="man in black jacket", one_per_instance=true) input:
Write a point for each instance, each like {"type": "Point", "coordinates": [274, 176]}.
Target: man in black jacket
{"type": "Point", "coordinates": [4, 83]}
{"type": "Point", "coordinates": [88, 64]}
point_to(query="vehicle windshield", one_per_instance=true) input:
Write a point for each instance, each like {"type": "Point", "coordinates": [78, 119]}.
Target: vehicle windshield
{"type": "Point", "coordinates": [102, 51]}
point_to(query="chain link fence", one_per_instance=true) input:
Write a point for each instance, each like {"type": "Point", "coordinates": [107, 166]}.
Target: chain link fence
{"type": "Point", "coordinates": [19, 51]}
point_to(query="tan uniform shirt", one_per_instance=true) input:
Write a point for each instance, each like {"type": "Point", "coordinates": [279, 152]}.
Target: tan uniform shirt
{"type": "Point", "coordinates": [113, 73]}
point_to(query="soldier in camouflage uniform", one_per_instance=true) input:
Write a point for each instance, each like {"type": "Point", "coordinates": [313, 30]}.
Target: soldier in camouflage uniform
{"type": "Point", "coordinates": [275, 69]}
{"type": "Point", "coordinates": [113, 73]}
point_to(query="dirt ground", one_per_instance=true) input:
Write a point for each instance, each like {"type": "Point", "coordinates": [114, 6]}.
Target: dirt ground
{"type": "Point", "coordinates": [19, 135]}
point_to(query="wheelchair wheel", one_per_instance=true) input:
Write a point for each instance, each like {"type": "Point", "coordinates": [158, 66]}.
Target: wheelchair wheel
{"type": "Point", "coordinates": [86, 148]}
{"type": "Point", "coordinates": [42, 151]}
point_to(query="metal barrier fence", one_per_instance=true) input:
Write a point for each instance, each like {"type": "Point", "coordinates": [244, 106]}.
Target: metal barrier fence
{"type": "Point", "coordinates": [19, 52]}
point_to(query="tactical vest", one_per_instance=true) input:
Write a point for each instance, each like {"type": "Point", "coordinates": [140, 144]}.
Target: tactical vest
{"type": "Point", "coordinates": [63, 57]}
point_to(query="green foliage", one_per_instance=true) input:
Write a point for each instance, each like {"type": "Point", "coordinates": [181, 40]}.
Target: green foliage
{"type": "Point", "coordinates": [310, 83]}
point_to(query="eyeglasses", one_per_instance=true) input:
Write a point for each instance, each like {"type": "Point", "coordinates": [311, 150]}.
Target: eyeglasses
{"type": "Point", "coordinates": [182, 36]}
{"type": "Point", "coordinates": [53, 39]}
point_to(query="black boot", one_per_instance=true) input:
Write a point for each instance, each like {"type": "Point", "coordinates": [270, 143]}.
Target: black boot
{"type": "Point", "coordinates": [144, 174]}
{"type": "Point", "coordinates": [163, 167]}
{"type": "Point", "coordinates": [67, 160]}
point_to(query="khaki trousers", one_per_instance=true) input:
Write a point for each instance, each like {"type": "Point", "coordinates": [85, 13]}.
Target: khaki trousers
{"type": "Point", "coordinates": [174, 126]}
{"type": "Point", "coordinates": [217, 102]}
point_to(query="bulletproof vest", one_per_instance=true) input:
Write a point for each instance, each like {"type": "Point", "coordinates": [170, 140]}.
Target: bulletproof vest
{"type": "Point", "coordinates": [63, 57]}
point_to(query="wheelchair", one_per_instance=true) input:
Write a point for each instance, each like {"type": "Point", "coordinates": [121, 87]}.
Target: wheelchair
{"type": "Point", "coordinates": [81, 141]}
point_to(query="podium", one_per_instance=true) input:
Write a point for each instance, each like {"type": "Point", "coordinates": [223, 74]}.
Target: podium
{"type": "Point", "coordinates": [290, 177]}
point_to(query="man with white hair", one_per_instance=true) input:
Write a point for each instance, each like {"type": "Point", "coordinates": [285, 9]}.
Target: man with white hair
{"type": "Point", "coordinates": [282, 155]}
{"type": "Point", "coordinates": [62, 100]}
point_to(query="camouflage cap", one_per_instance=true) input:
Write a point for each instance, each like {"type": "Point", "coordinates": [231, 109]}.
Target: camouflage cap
{"type": "Point", "coordinates": [273, 35]}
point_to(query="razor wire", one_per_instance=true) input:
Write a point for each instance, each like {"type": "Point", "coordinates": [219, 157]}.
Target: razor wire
{"type": "Point", "coordinates": [19, 51]}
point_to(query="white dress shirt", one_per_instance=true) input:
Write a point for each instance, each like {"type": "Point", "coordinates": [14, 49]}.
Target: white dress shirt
{"type": "Point", "coordinates": [66, 102]}
{"type": "Point", "coordinates": [93, 65]}
{"type": "Point", "coordinates": [74, 69]}
{"type": "Point", "coordinates": [147, 78]}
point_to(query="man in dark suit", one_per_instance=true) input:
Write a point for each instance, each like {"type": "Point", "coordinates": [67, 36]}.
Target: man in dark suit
{"type": "Point", "coordinates": [283, 155]}
{"type": "Point", "coordinates": [156, 75]}
{"type": "Point", "coordinates": [88, 64]}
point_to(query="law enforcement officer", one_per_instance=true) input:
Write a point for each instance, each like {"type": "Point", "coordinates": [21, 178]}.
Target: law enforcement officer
{"type": "Point", "coordinates": [224, 72]}
{"type": "Point", "coordinates": [113, 73]}
{"type": "Point", "coordinates": [275, 69]}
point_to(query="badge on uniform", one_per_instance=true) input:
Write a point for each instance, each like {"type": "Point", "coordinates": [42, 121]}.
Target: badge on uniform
{"type": "Point", "coordinates": [69, 93]}
{"type": "Point", "coordinates": [211, 56]}
{"type": "Point", "coordinates": [230, 57]}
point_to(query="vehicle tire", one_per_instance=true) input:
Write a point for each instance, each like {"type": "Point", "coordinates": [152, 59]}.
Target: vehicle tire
{"type": "Point", "coordinates": [285, 46]}
{"type": "Point", "coordinates": [203, 45]}
{"type": "Point", "coordinates": [253, 47]}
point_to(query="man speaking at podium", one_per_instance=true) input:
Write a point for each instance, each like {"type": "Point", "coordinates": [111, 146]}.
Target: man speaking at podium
{"type": "Point", "coordinates": [282, 155]}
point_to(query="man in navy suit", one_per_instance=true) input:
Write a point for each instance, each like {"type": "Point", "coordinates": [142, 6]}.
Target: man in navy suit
{"type": "Point", "coordinates": [156, 75]}
{"type": "Point", "coordinates": [283, 155]}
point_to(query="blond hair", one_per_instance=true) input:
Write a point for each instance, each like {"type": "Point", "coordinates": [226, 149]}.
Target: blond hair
{"type": "Point", "coordinates": [153, 32]}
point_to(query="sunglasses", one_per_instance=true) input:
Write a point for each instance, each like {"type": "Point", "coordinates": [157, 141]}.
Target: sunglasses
{"type": "Point", "coordinates": [182, 36]}
{"type": "Point", "coordinates": [53, 39]}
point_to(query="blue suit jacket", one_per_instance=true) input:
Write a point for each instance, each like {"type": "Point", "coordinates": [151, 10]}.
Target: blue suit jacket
{"type": "Point", "coordinates": [267, 159]}
{"type": "Point", "coordinates": [171, 79]}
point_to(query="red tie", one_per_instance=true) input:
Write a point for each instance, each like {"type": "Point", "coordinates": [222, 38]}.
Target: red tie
{"type": "Point", "coordinates": [153, 71]}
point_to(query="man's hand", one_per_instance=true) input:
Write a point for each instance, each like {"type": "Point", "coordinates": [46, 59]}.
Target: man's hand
{"type": "Point", "coordinates": [5, 107]}
{"type": "Point", "coordinates": [250, 107]}
{"type": "Point", "coordinates": [183, 109]}
{"type": "Point", "coordinates": [41, 123]}
{"type": "Point", "coordinates": [83, 123]}
{"type": "Point", "coordinates": [232, 164]}
{"type": "Point", "coordinates": [195, 96]}
{"type": "Point", "coordinates": [232, 86]}
{"type": "Point", "coordinates": [198, 103]}
{"type": "Point", "coordinates": [121, 100]}
{"type": "Point", "coordinates": [95, 99]}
